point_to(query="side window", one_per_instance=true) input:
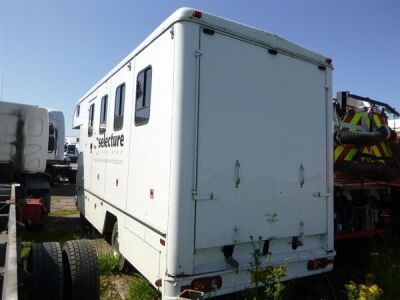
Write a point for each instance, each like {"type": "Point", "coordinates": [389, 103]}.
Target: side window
{"type": "Point", "coordinates": [91, 119]}
{"type": "Point", "coordinates": [52, 142]}
{"type": "Point", "coordinates": [78, 110]}
{"type": "Point", "coordinates": [143, 95]}
{"type": "Point", "coordinates": [103, 113]}
{"type": "Point", "coordinates": [119, 107]}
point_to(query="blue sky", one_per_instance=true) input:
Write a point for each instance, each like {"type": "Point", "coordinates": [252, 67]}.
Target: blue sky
{"type": "Point", "coordinates": [53, 51]}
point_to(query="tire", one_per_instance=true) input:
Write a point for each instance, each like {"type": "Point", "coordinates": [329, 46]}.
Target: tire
{"type": "Point", "coordinates": [81, 272]}
{"type": "Point", "coordinates": [123, 263]}
{"type": "Point", "coordinates": [46, 267]}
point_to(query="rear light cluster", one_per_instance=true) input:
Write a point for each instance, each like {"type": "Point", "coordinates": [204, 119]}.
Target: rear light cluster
{"type": "Point", "coordinates": [196, 14]}
{"type": "Point", "coordinates": [316, 264]}
{"type": "Point", "coordinates": [205, 284]}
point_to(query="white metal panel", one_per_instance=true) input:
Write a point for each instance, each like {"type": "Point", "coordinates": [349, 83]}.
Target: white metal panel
{"type": "Point", "coordinates": [117, 154]}
{"type": "Point", "coordinates": [87, 144]}
{"type": "Point", "coordinates": [149, 160]}
{"type": "Point", "coordinates": [266, 113]}
{"type": "Point", "coordinates": [99, 154]}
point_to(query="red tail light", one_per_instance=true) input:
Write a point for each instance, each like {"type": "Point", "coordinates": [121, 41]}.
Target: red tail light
{"type": "Point", "coordinates": [207, 284]}
{"type": "Point", "coordinates": [158, 283]}
{"type": "Point", "coordinates": [196, 14]}
{"type": "Point", "coordinates": [316, 264]}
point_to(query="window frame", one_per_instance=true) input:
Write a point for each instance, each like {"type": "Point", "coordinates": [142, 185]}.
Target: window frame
{"type": "Point", "coordinates": [146, 91]}
{"type": "Point", "coordinates": [103, 113]}
{"type": "Point", "coordinates": [119, 119]}
{"type": "Point", "coordinates": [91, 119]}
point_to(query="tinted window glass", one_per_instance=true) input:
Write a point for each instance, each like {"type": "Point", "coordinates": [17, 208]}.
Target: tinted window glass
{"type": "Point", "coordinates": [119, 107]}
{"type": "Point", "coordinates": [143, 96]}
{"type": "Point", "coordinates": [103, 110]}
{"type": "Point", "coordinates": [91, 119]}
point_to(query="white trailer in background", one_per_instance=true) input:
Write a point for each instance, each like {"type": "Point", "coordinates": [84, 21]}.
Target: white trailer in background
{"type": "Point", "coordinates": [24, 137]}
{"type": "Point", "coordinates": [187, 156]}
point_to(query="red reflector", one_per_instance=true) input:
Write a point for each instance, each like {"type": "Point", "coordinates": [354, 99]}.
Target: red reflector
{"type": "Point", "coordinates": [207, 284]}
{"type": "Point", "coordinates": [33, 211]}
{"type": "Point", "coordinates": [316, 264]}
{"type": "Point", "coordinates": [158, 283]}
{"type": "Point", "coordinates": [328, 60]}
{"type": "Point", "coordinates": [196, 14]}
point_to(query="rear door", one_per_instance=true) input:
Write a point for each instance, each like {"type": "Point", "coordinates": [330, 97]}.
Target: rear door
{"type": "Point", "coordinates": [261, 144]}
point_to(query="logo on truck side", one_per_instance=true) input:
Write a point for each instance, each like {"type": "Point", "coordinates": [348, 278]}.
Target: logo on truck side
{"type": "Point", "coordinates": [111, 141]}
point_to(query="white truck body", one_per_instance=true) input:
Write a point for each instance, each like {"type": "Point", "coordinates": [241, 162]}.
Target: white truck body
{"type": "Point", "coordinates": [209, 161]}
{"type": "Point", "coordinates": [24, 136]}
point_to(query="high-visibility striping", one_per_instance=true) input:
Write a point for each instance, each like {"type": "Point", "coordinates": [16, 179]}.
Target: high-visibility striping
{"type": "Point", "coordinates": [362, 118]}
{"type": "Point", "coordinates": [338, 150]}
{"type": "Point", "coordinates": [344, 152]}
{"type": "Point", "coordinates": [376, 152]}
{"type": "Point", "coordinates": [356, 120]}
{"type": "Point", "coordinates": [377, 121]}
{"type": "Point", "coordinates": [386, 149]}
{"type": "Point", "coordinates": [350, 155]}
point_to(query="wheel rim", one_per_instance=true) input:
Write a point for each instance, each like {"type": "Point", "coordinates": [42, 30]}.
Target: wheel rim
{"type": "Point", "coordinates": [115, 246]}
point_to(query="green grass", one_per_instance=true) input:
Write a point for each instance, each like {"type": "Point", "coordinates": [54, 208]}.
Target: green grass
{"type": "Point", "coordinates": [108, 263]}
{"type": "Point", "coordinates": [141, 289]}
{"type": "Point", "coordinates": [25, 248]}
{"type": "Point", "coordinates": [51, 232]}
{"type": "Point", "coordinates": [64, 212]}
{"type": "Point", "coordinates": [384, 264]}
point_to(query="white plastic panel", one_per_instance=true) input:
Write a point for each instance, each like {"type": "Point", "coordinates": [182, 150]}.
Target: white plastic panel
{"type": "Point", "coordinates": [24, 136]}
{"type": "Point", "coordinates": [263, 119]}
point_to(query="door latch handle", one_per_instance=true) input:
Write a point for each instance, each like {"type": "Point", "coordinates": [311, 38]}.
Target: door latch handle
{"type": "Point", "coordinates": [237, 173]}
{"type": "Point", "coordinates": [301, 175]}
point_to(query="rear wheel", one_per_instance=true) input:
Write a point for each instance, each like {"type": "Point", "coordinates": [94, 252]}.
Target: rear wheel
{"type": "Point", "coordinates": [46, 268]}
{"type": "Point", "coordinates": [123, 263]}
{"type": "Point", "coordinates": [80, 270]}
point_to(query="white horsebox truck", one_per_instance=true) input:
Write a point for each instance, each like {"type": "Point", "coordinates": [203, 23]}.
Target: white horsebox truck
{"type": "Point", "coordinates": [189, 157]}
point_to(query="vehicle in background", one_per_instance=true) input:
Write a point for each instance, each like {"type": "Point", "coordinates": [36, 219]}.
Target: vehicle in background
{"type": "Point", "coordinates": [367, 167]}
{"type": "Point", "coordinates": [24, 140]}
{"type": "Point", "coordinates": [187, 165]}
{"type": "Point", "coordinates": [71, 152]}
{"type": "Point", "coordinates": [57, 166]}
{"type": "Point", "coordinates": [28, 141]}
